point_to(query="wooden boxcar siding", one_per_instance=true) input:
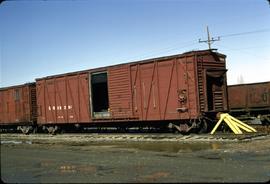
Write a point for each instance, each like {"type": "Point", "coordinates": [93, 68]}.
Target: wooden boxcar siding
{"type": "Point", "coordinates": [246, 96]}
{"type": "Point", "coordinates": [155, 87]}
{"type": "Point", "coordinates": [119, 87]}
{"type": "Point", "coordinates": [63, 99]}
{"type": "Point", "coordinates": [16, 106]}
{"type": "Point", "coordinates": [146, 90]}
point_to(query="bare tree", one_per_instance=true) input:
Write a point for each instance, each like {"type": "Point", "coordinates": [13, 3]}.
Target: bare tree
{"type": "Point", "coordinates": [240, 79]}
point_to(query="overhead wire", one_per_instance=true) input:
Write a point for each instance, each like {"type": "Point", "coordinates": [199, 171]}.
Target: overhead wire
{"type": "Point", "coordinates": [245, 33]}
{"type": "Point", "coordinates": [191, 43]}
{"type": "Point", "coordinates": [161, 51]}
{"type": "Point", "coordinates": [166, 50]}
{"type": "Point", "coordinates": [242, 50]}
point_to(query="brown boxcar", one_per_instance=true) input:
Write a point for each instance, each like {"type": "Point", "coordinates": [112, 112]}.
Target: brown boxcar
{"type": "Point", "coordinates": [176, 88]}
{"type": "Point", "coordinates": [250, 99]}
{"type": "Point", "coordinates": [63, 99]}
{"type": "Point", "coordinates": [18, 105]}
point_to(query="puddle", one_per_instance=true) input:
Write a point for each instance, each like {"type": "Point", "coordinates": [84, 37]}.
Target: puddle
{"type": "Point", "coordinates": [67, 169]}
{"type": "Point", "coordinates": [161, 147]}
{"type": "Point", "coordinates": [15, 142]}
{"type": "Point", "coordinates": [211, 156]}
{"type": "Point", "coordinates": [171, 147]}
{"type": "Point", "coordinates": [154, 176]}
{"type": "Point", "coordinates": [46, 163]}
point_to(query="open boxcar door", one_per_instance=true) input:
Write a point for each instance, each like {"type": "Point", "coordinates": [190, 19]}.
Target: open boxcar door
{"type": "Point", "coordinates": [99, 99]}
{"type": "Point", "coordinates": [216, 90]}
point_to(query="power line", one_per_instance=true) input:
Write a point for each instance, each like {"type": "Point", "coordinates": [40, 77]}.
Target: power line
{"type": "Point", "coordinates": [247, 48]}
{"type": "Point", "coordinates": [190, 43]}
{"type": "Point", "coordinates": [246, 52]}
{"type": "Point", "coordinates": [167, 49]}
{"type": "Point", "coordinates": [245, 33]}
{"type": "Point", "coordinates": [162, 50]}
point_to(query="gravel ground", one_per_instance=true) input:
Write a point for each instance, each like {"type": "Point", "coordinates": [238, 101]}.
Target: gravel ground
{"type": "Point", "coordinates": [82, 159]}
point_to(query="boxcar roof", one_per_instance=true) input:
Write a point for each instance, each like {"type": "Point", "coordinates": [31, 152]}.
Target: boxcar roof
{"type": "Point", "coordinates": [190, 53]}
{"type": "Point", "coordinates": [245, 84]}
{"type": "Point", "coordinates": [17, 86]}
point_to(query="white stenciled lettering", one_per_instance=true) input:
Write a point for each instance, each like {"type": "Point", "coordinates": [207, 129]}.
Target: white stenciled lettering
{"type": "Point", "coordinates": [59, 107]}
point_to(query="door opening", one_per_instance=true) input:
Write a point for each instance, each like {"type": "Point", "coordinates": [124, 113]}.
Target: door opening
{"type": "Point", "coordinates": [99, 94]}
{"type": "Point", "coordinates": [215, 90]}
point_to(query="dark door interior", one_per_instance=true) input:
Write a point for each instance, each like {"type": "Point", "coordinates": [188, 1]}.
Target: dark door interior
{"type": "Point", "coordinates": [100, 98]}
{"type": "Point", "coordinates": [215, 89]}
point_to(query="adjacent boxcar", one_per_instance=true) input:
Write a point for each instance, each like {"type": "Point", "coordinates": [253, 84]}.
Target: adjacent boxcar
{"type": "Point", "coordinates": [250, 100]}
{"type": "Point", "coordinates": [175, 89]}
{"type": "Point", "coordinates": [18, 106]}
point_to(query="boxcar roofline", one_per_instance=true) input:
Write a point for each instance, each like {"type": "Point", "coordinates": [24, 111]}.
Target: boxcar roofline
{"type": "Point", "coordinates": [247, 84]}
{"type": "Point", "coordinates": [104, 68]}
{"type": "Point", "coordinates": [17, 86]}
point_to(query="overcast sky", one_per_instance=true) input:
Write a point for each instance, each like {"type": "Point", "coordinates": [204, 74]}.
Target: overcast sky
{"type": "Point", "coordinates": [42, 38]}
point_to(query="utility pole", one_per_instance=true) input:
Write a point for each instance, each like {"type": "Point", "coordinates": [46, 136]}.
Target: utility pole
{"type": "Point", "coordinates": [209, 41]}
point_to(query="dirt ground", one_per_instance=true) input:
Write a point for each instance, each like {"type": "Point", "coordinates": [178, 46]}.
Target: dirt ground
{"type": "Point", "coordinates": [50, 161]}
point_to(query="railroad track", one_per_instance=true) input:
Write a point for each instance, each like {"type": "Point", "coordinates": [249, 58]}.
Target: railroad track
{"type": "Point", "coordinates": [84, 138]}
